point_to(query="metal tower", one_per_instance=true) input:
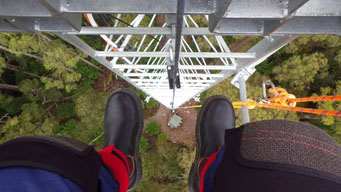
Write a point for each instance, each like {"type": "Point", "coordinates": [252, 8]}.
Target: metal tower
{"type": "Point", "coordinates": [167, 61]}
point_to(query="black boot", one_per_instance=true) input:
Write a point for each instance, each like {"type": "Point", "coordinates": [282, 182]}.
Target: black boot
{"type": "Point", "coordinates": [215, 117]}
{"type": "Point", "coordinates": [123, 125]}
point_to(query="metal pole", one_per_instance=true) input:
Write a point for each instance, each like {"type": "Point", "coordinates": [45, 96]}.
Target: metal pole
{"type": "Point", "coordinates": [243, 98]}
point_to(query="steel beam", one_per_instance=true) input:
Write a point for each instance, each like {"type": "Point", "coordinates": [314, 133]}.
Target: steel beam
{"type": "Point", "coordinates": [166, 80]}
{"type": "Point", "coordinates": [38, 9]}
{"type": "Point", "coordinates": [139, 31]}
{"type": "Point", "coordinates": [61, 23]}
{"type": "Point", "coordinates": [136, 6]}
{"type": "Point", "coordinates": [227, 8]}
{"type": "Point", "coordinates": [23, 8]}
{"type": "Point", "coordinates": [188, 67]}
{"type": "Point", "coordinates": [297, 25]}
{"type": "Point", "coordinates": [144, 85]}
{"type": "Point", "coordinates": [294, 5]}
{"type": "Point", "coordinates": [318, 8]}
{"type": "Point", "coordinates": [167, 54]}
{"type": "Point", "coordinates": [164, 85]}
{"type": "Point", "coordinates": [256, 9]}
{"type": "Point", "coordinates": [278, 17]}
{"type": "Point", "coordinates": [311, 25]}
{"type": "Point", "coordinates": [280, 9]}
{"type": "Point", "coordinates": [199, 75]}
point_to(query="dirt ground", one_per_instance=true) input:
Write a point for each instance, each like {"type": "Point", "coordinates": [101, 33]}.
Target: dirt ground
{"type": "Point", "coordinates": [183, 135]}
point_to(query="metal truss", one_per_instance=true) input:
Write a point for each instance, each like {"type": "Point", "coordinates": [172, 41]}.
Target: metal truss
{"type": "Point", "coordinates": [141, 52]}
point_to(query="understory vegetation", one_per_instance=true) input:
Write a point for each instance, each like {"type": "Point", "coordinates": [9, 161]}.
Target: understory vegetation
{"type": "Point", "coordinates": [50, 88]}
{"type": "Point", "coordinates": [165, 165]}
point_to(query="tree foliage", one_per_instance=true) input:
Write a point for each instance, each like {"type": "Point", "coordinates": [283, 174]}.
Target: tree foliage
{"type": "Point", "coordinates": [50, 91]}
{"type": "Point", "coordinates": [58, 59]}
{"type": "Point", "coordinates": [302, 71]}
{"type": "Point", "coordinates": [31, 121]}
{"type": "Point", "coordinates": [89, 108]}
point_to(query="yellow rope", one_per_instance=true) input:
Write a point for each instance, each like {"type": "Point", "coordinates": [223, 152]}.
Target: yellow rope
{"type": "Point", "coordinates": [284, 101]}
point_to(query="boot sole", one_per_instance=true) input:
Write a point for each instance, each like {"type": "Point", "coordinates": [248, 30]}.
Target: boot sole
{"type": "Point", "coordinates": [137, 161]}
{"type": "Point", "coordinates": [193, 180]}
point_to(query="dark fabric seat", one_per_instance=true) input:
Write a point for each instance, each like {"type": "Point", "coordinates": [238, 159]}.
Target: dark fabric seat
{"type": "Point", "coordinates": [279, 155]}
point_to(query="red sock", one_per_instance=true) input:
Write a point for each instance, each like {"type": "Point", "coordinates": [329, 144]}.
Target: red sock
{"type": "Point", "coordinates": [210, 160]}
{"type": "Point", "coordinates": [116, 161]}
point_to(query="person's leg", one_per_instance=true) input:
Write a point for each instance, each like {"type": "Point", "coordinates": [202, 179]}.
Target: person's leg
{"type": "Point", "coordinates": [274, 155]}
{"type": "Point", "coordinates": [216, 116]}
{"type": "Point", "coordinates": [123, 125]}
{"type": "Point", "coordinates": [75, 164]}
{"type": "Point", "coordinates": [54, 163]}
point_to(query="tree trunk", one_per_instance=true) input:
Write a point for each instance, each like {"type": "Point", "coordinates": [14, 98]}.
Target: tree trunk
{"type": "Point", "coordinates": [10, 87]}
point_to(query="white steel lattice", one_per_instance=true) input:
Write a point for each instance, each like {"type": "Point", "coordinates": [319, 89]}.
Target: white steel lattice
{"type": "Point", "coordinates": [143, 60]}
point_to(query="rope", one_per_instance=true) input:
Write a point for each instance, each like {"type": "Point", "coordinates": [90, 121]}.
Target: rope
{"type": "Point", "coordinates": [319, 98]}
{"type": "Point", "coordinates": [99, 136]}
{"type": "Point", "coordinates": [297, 109]}
{"type": "Point", "coordinates": [252, 104]}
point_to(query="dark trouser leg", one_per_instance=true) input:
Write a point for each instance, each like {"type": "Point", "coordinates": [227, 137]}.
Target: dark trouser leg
{"type": "Point", "coordinates": [277, 155]}
{"type": "Point", "coordinates": [72, 159]}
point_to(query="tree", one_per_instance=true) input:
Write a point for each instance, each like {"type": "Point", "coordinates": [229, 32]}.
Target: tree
{"type": "Point", "coordinates": [46, 74]}
{"type": "Point", "coordinates": [61, 60]}
{"type": "Point", "coordinates": [58, 59]}
{"type": "Point", "coordinates": [298, 72]}
{"type": "Point", "coordinates": [31, 121]}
